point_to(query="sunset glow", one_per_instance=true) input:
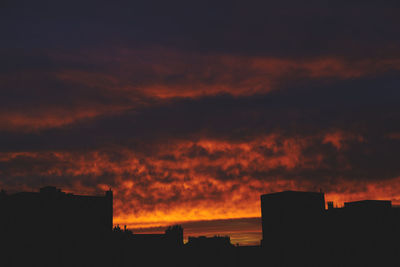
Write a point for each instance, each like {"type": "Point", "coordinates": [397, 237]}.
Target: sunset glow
{"type": "Point", "coordinates": [190, 116]}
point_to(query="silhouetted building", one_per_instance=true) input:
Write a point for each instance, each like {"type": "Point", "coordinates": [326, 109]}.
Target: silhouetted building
{"type": "Point", "coordinates": [365, 233]}
{"type": "Point", "coordinates": [369, 204]}
{"type": "Point", "coordinates": [172, 238]}
{"type": "Point", "coordinates": [211, 251]}
{"type": "Point", "coordinates": [299, 231]}
{"type": "Point", "coordinates": [49, 224]}
{"type": "Point", "coordinates": [174, 235]}
{"type": "Point", "coordinates": [50, 209]}
{"type": "Point", "coordinates": [291, 225]}
{"type": "Point", "coordinates": [148, 249]}
{"type": "Point", "coordinates": [203, 242]}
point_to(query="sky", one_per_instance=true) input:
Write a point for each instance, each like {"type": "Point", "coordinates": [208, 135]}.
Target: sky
{"type": "Point", "coordinates": [190, 110]}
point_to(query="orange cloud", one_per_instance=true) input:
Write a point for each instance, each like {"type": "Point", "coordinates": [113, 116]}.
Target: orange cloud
{"type": "Point", "coordinates": [35, 121]}
{"type": "Point", "coordinates": [187, 181]}
{"type": "Point", "coordinates": [339, 138]}
{"type": "Point", "coordinates": [128, 79]}
{"type": "Point", "coordinates": [167, 74]}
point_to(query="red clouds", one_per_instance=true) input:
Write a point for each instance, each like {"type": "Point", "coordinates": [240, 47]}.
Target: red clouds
{"type": "Point", "coordinates": [161, 73]}
{"type": "Point", "coordinates": [176, 176]}
{"type": "Point", "coordinates": [184, 181]}
{"type": "Point", "coordinates": [128, 79]}
{"type": "Point", "coordinates": [190, 112]}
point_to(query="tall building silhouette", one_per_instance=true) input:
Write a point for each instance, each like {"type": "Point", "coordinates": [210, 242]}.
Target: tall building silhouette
{"type": "Point", "coordinates": [292, 225]}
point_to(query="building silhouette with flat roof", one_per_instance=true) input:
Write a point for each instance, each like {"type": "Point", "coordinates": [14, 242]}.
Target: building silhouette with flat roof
{"type": "Point", "coordinates": [50, 209]}
{"type": "Point", "coordinates": [291, 225]}
{"type": "Point", "coordinates": [299, 231]}
{"type": "Point", "coordinates": [171, 238]}
{"type": "Point", "coordinates": [52, 226]}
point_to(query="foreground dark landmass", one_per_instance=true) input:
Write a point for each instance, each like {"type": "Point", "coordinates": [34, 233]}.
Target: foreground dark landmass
{"type": "Point", "coordinates": [52, 228]}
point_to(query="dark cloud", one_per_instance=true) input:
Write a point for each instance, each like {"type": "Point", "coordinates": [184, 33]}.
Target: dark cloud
{"type": "Point", "coordinates": [366, 106]}
{"type": "Point", "coordinates": [284, 28]}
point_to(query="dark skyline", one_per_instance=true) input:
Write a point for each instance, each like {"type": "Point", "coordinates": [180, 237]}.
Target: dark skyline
{"type": "Point", "coordinates": [189, 110]}
{"type": "Point", "coordinates": [54, 228]}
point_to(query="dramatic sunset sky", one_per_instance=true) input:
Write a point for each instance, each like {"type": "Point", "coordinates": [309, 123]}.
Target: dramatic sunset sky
{"type": "Point", "coordinates": [190, 110]}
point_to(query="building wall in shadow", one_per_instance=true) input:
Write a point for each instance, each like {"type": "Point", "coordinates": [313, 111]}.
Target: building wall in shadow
{"type": "Point", "coordinates": [292, 225]}
{"type": "Point", "coordinates": [49, 227]}
{"type": "Point", "coordinates": [299, 231]}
